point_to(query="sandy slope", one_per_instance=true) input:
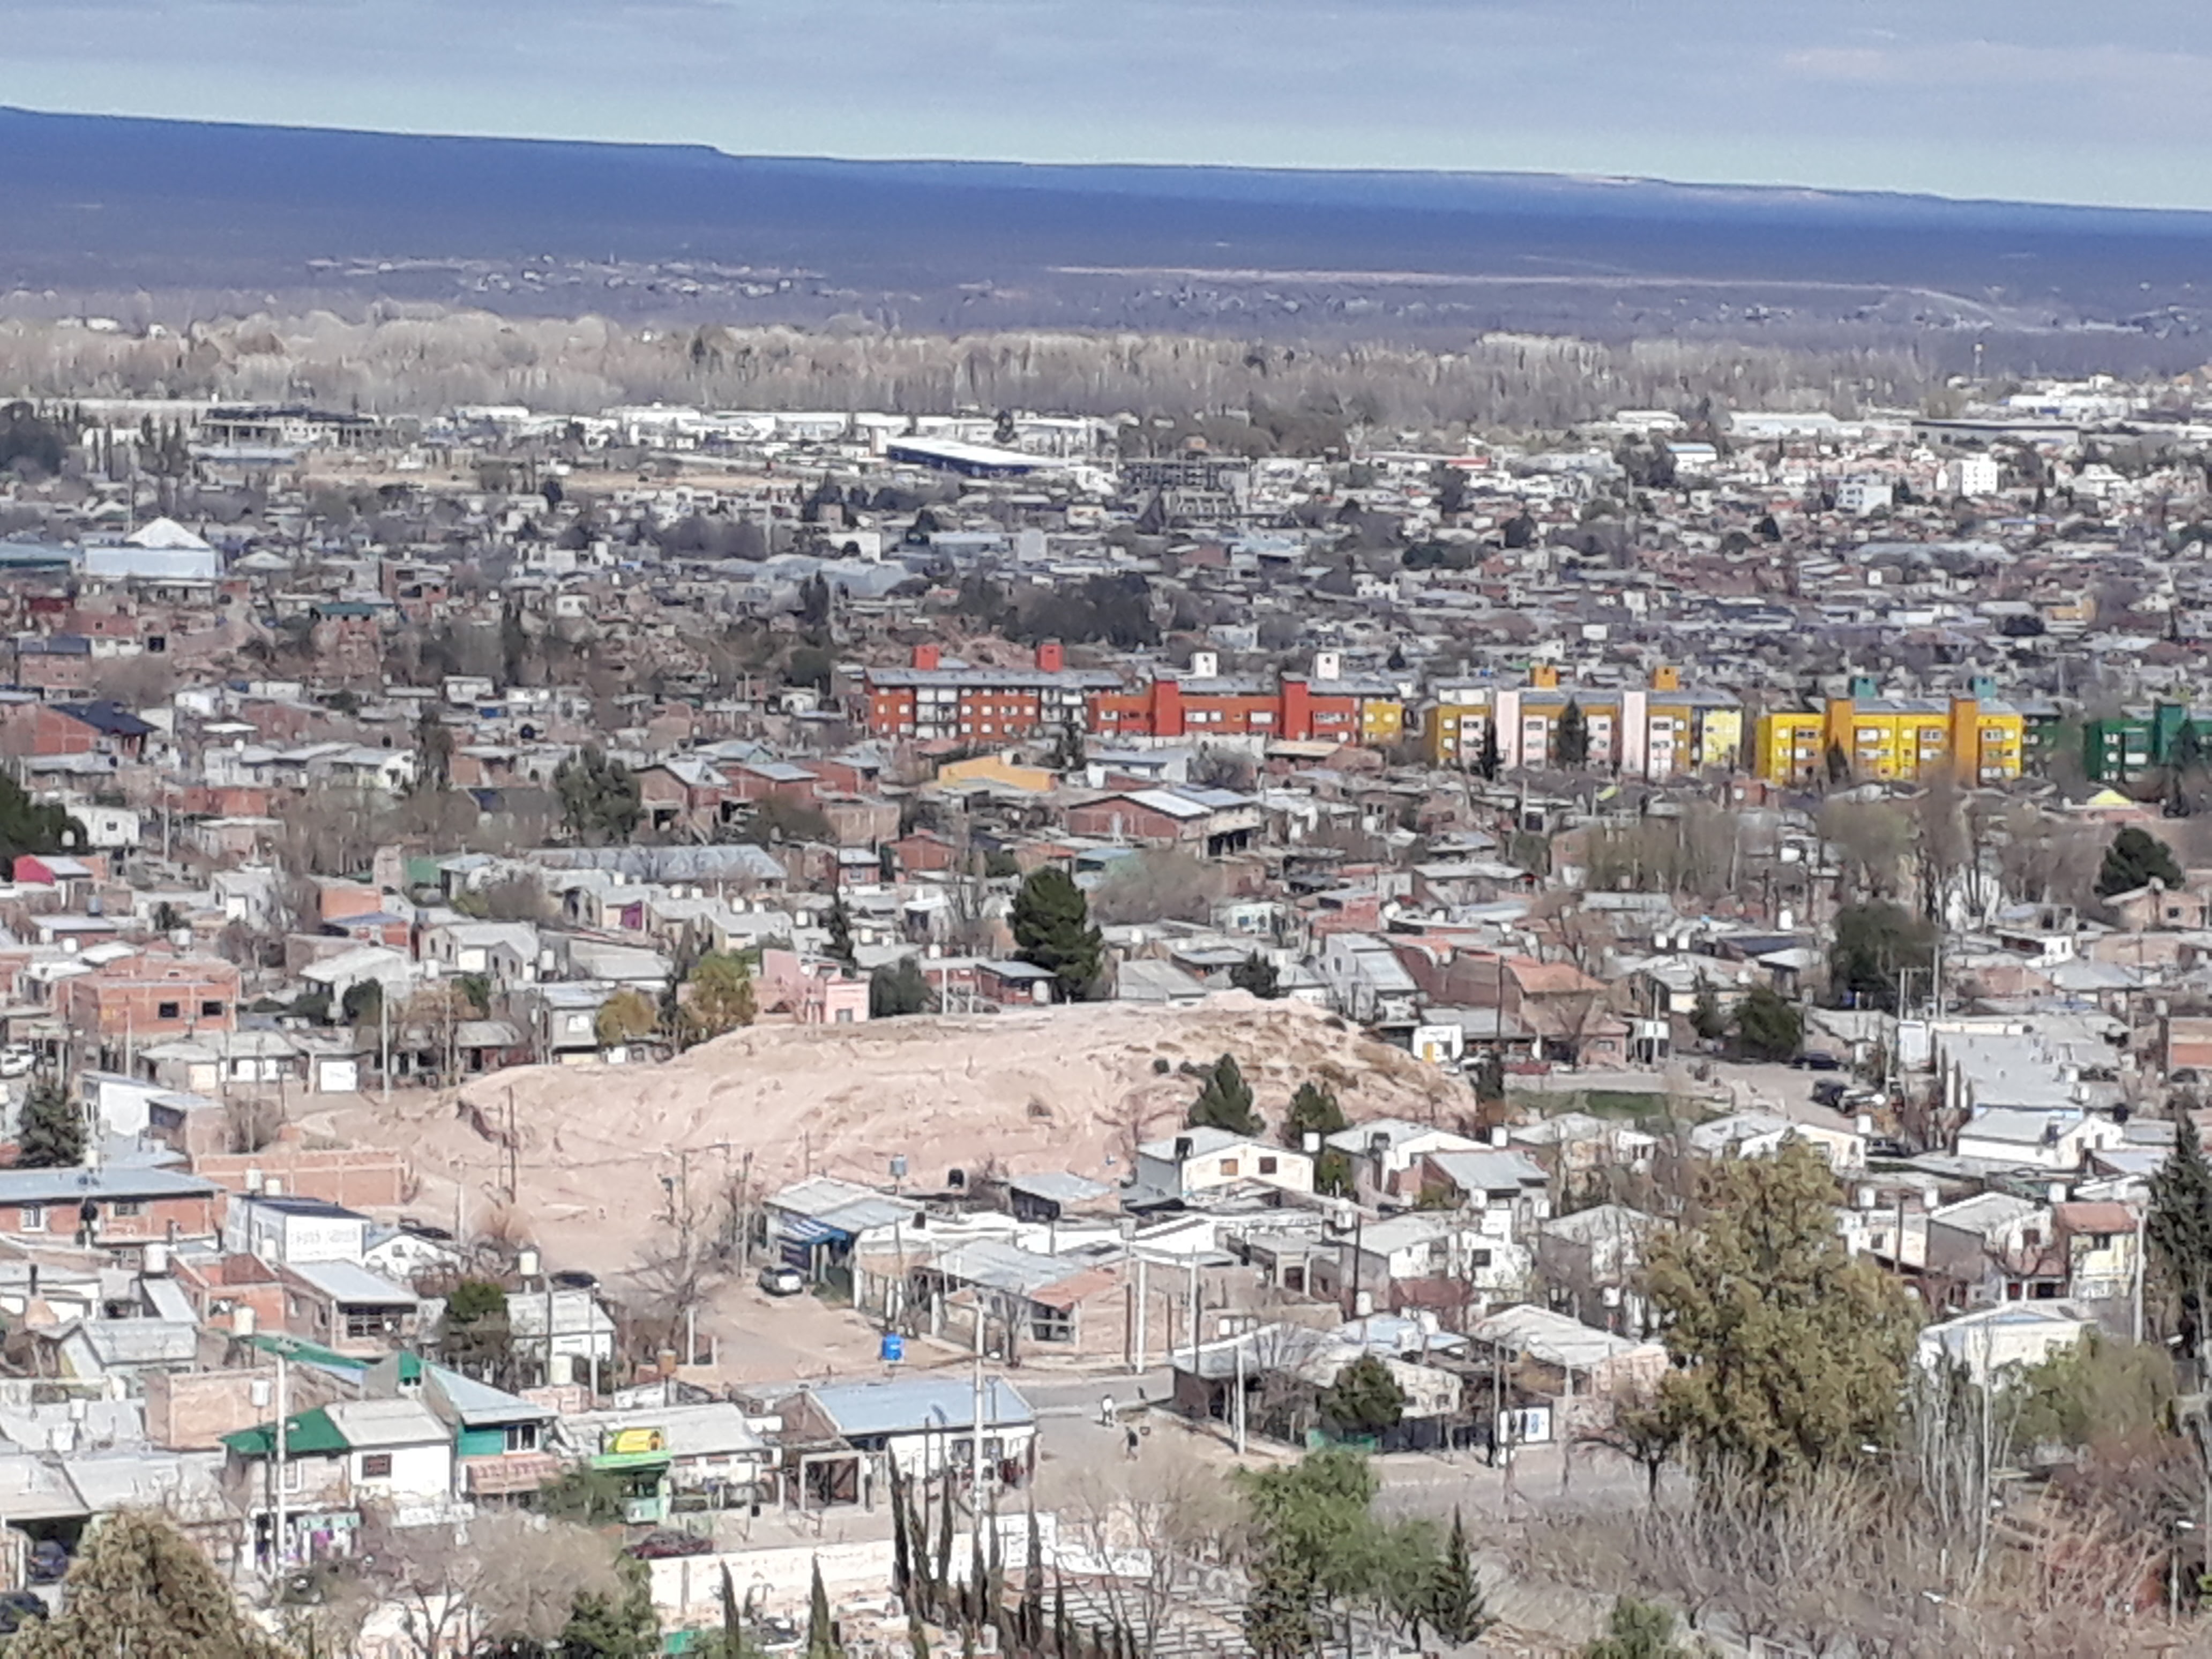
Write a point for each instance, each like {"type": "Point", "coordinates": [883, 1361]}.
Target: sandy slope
{"type": "Point", "coordinates": [1063, 1089]}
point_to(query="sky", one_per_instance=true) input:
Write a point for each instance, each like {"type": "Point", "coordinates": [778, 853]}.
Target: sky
{"type": "Point", "coordinates": [2026, 99]}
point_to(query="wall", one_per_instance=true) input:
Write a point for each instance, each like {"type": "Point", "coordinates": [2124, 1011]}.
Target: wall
{"type": "Point", "coordinates": [359, 1179]}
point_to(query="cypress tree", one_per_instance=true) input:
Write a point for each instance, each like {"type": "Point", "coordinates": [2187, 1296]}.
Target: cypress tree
{"type": "Point", "coordinates": [1032, 1623]}
{"type": "Point", "coordinates": [2179, 1226]}
{"type": "Point", "coordinates": [1570, 737]}
{"type": "Point", "coordinates": [1455, 1607]}
{"type": "Point", "coordinates": [902, 1564]}
{"type": "Point", "coordinates": [821, 1634]}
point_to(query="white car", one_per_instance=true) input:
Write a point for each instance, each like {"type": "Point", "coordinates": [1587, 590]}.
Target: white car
{"type": "Point", "coordinates": [16, 1061]}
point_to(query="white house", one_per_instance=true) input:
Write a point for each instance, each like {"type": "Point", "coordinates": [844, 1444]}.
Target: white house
{"type": "Point", "coordinates": [1990, 1341]}
{"type": "Point", "coordinates": [1386, 1148]}
{"type": "Point", "coordinates": [2057, 1142]}
{"type": "Point", "coordinates": [287, 1231]}
{"type": "Point", "coordinates": [1762, 1134]}
{"type": "Point", "coordinates": [1201, 1160]}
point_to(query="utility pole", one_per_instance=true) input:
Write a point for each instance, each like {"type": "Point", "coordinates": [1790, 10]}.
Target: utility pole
{"type": "Point", "coordinates": [1192, 1300]}
{"type": "Point", "coordinates": [975, 1447]}
{"type": "Point", "coordinates": [276, 1538]}
{"type": "Point", "coordinates": [1240, 1396]}
{"type": "Point", "coordinates": [384, 1038]}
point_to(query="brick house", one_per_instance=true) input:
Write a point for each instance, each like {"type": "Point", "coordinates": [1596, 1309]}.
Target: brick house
{"type": "Point", "coordinates": [145, 999]}
{"type": "Point", "coordinates": [117, 1207]}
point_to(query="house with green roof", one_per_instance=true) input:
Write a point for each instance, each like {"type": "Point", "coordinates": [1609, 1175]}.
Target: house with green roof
{"type": "Point", "coordinates": [329, 1464]}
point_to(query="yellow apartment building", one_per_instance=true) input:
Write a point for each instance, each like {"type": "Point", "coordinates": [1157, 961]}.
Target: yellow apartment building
{"type": "Point", "coordinates": [1903, 739]}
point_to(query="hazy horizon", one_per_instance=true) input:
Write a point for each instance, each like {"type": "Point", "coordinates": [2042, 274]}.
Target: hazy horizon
{"type": "Point", "coordinates": [2009, 103]}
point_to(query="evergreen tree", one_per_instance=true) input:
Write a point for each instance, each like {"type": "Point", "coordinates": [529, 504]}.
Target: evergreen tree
{"type": "Point", "coordinates": [1768, 1025]}
{"type": "Point", "coordinates": [598, 798]}
{"type": "Point", "coordinates": [901, 1541]}
{"type": "Point", "coordinates": [1637, 1630]}
{"type": "Point", "coordinates": [52, 1135]}
{"type": "Point", "coordinates": [139, 1587]}
{"type": "Point", "coordinates": [1313, 1110]}
{"type": "Point", "coordinates": [733, 1618]}
{"type": "Point", "coordinates": [1488, 760]}
{"type": "Point", "coordinates": [1051, 922]}
{"type": "Point", "coordinates": [1067, 752]}
{"type": "Point", "coordinates": [2179, 1229]}
{"type": "Point", "coordinates": [1706, 1019]}
{"type": "Point", "coordinates": [1225, 1102]}
{"type": "Point", "coordinates": [1570, 737]}
{"type": "Point", "coordinates": [2135, 859]}
{"type": "Point", "coordinates": [1032, 1620]}
{"type": "Point", "coordinates": [434, 752]}
{"type": "Point", "coordinates": [841, 932]}
{"type": "Point", "coordinates": [1456, 1609]}
{"type": "Point", "coordinates": [1872, 944]}
{"type": "Point", "coordinates": [821, 1630]}
{"type": "Point", "coordinates": [897, 989]}
{"type": "Point", "coordinates": [1257, 975]}
{"type": "Point", "coordinates": [1365, 1398]}
{"type": "Point", "coordinates": [616, 1624]}
{"type": "Point", "coordinates": [29, 826]}
{"type": "Point", "coordinates": [1788, 1351]}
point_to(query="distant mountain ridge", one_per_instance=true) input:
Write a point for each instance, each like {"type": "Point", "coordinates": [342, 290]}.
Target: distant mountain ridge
{"type": "Point", "coordinates": [194, 214]}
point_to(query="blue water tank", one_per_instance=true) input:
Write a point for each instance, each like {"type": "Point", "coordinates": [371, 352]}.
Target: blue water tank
{"type": "Point", "coordinates": [894, 1348]}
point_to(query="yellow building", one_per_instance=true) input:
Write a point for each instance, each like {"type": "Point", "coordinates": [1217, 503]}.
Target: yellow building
{"type": "Point", "coordinates": [1902, 739]}
{"type": "Point", "coordinates": [1451, 727]}
{"type": "Point", "coordinates": [1790, 749]}
{"type": "Point", "coordinates": [1382, 721]}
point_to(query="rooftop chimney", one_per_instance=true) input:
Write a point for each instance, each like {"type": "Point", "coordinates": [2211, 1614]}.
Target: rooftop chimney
{"type": "Point", "coordinates": [924, 656]}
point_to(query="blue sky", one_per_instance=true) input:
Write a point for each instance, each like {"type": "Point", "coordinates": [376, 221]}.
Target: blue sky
{"type": "Point", "coordinates": [2024, 99]}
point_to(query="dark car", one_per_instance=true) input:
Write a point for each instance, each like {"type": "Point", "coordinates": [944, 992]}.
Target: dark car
{"type": "Point", "coordinates": [1818, 1060]}
{"type": "Point", "coordinates": [1887, 1146]}
{"type": "Point", "coordinates": [1828, 1091]}
{"type": "Point", "coordinates": [664, 1543]}
{"type": "Point", "coordinates": [50, 1561]}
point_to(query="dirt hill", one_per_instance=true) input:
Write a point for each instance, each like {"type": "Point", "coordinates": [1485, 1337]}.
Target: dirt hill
{"type": "Point", "coordinates": [1060, 1089]}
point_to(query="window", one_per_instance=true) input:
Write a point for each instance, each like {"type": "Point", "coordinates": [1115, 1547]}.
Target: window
{"type": "Point", "coordinates": [126, 1209]}
{"type": "Point", "coordinates": [165, 1010]}
{"type": "Point", "coordinates": [376, 1466]}
{"type": "Point", "coordinates": [521, 1436]}
{"type": "Point", "coordinates": [1229, 1167]}
{"type": "Point", "coordinates": [1052, 1325]}
{"type": "Point", "coordinates": [211, 1009]}
{"type": "Point", "coordinates": [1268, 1166]}
{"type": "Point", "coordinates": [364, 1324]}
{"type": "Point", "coordinates": [34, 1218]}
{"type": "Point", "coordinates": [1478, 1258]}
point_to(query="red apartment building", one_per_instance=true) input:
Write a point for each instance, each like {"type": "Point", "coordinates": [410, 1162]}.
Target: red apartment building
{"type": "Point", "coordinates": [930, 701]}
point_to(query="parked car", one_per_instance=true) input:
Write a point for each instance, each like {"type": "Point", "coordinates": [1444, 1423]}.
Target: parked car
{"type": "Point", "coordinates": [665, 1543]}
{"type": "Point", "coordinates": [16, 1060]}
{"type": "Point", "coordinates": [1829, 1091]}
{"type": "Point", "coordinates": [1817, 1060]}
{"type": "Point", "coordinates": [779, 1278]}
